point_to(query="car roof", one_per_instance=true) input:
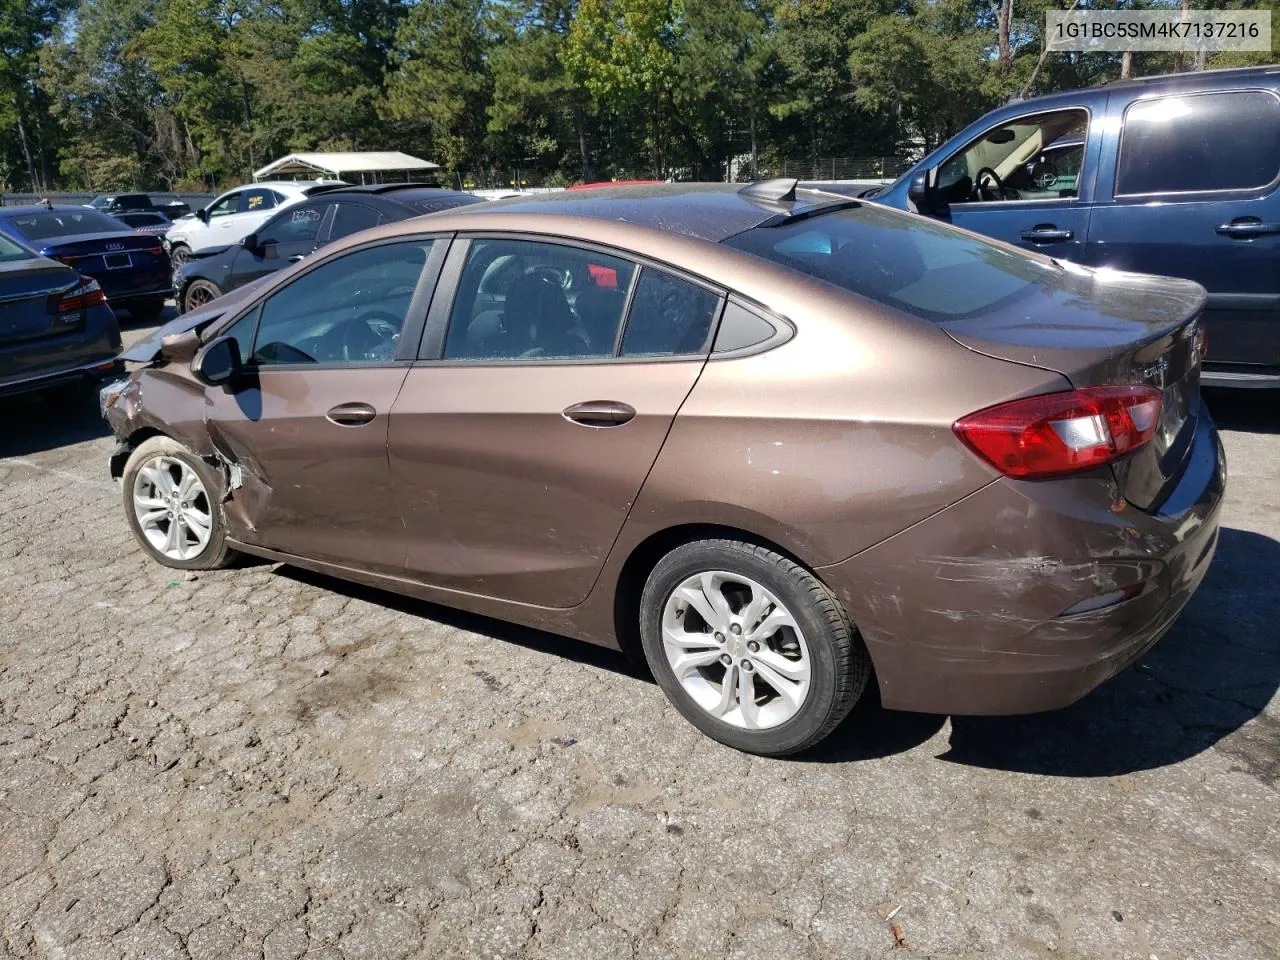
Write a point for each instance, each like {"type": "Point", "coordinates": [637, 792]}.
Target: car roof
{"type": "Point", "coordinates": [1188, 80]}
{"type": "Point", "coordinates": [54, 208]}
{"type": "Point", "coordinates": [703, 211]}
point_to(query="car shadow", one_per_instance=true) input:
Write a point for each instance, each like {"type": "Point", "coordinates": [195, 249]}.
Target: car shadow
{"type": "Point", "coordinates": [1197, 689]}
{"type": "Point", "coordinates": [579, 651]}
{"type": "Point", "coordinates": [1250, 411]}
{"type": "Point", "coordinates": [45, 420]}
{"type": "Point", "coordinates": [1214, 672]}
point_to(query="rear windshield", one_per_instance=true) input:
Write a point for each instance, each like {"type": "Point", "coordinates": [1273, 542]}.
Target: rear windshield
{"type": "Point", "coordinates": [11, 251]}
{"type": "Point", "coordinates": [64, 223]}
{"type": "Point", "coordinates": [916, 265]}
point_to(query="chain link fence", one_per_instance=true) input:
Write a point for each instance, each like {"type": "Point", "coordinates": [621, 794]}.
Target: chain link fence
{"type": "Point", "coordinates": [194, 200]}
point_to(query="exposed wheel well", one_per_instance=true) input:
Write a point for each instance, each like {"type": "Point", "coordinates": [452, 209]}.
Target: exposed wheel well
{"type": "Point", "coordinates": [130, 444]}
{"type": "Point", "coordinates": [636, 569]}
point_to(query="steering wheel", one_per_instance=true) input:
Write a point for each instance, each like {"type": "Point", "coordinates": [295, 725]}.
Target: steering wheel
{"type": "Point", "coordinates": [1044, 174]}
{"type": "Point", "coordinates": [981, 190]}
{"type": "Point", "coordinates": [371, 336]}
{"type": "Point", "coordinates": [550, 274]}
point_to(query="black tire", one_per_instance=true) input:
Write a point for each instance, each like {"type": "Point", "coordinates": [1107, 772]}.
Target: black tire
{"type": "Point", "coordinates": [216, 553]}
{"type": "Point", "coordinates": [178, 254]}
{"type": "Point", "coordinates": [201, 288]}
{"type": "Point", "coordinates": [147, 309]}
{"type": "Point", "coordinates": [839, 667]}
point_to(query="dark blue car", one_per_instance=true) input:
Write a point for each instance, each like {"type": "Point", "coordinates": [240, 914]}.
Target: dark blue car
{"type": "Point", "coordinates": [131, 268]}
{"type": "Point", "coordinates": [1176, 175]}
{"type": "Point", "coordinates": [55, 325]}
{"type": "Point", "coordinates": [301, 229]}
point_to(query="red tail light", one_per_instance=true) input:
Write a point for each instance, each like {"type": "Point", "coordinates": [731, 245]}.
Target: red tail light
{"type": "Point", "coordinates": [85, 294]}
{"type": "Point", "coordinates": [1061, 433]}
{"type": "Point", "coordinates": [157, 249]}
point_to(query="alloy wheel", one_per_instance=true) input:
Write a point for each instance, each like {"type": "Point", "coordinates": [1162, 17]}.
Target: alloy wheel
{"type": "Point", "coordinates": [736, 650]}
{"type": "Point", "coordinates": [172, 508]}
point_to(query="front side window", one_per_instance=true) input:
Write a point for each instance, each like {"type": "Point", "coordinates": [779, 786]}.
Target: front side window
{"type": "Point", "coordinates": [1031, 158]}
{"type": "Point", "coordinates": [296, 225]}
{"type": "Point", "coordinates": [528, 300]}
{"type": "Point", "coordinates": [349, 218]}
{"type": "Point", "coordinates": [349, 310]}
{"type": "Point", "coordinates": [225, 206]}
{"type": "Point", "coordinates": [919, 266]}
{"type": "Point", "coordinates": [1205, 142]}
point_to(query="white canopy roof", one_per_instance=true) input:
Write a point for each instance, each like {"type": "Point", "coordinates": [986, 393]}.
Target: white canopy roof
{"type": "Point", "coordinates": [342, 165]}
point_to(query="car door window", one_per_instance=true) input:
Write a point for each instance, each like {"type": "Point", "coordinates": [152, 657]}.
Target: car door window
{"type": "Point", "coordinates": [256, 201]}
{"type": "Point", "coordinates": [298, 225]}
{"type": "Point", "coordinates": [225, 206]}
{"type": "Point", "coordinates": [1031, 158]}
{"type": "Point", "coordinates": [349, 218]}
{"type": "Point", "coordinates": [349, 310]}
{"type": "Point", "coordinates": [1204, 142]}
{"type": "Point", "coordinates": [668, 316]}
{"type": "Point", "coordinates": [528, 300]}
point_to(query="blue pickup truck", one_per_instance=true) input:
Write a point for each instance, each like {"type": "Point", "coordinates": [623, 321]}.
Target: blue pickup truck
{"type": "Point", "coordinates": [1176, 175]}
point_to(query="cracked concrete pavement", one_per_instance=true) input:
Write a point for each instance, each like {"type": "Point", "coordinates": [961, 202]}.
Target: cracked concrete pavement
{"type": "Point", "coordinates": [264, 763]}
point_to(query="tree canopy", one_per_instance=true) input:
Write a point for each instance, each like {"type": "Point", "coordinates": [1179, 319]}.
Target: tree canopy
{"type": "Point", "coordinates": [195, 94]}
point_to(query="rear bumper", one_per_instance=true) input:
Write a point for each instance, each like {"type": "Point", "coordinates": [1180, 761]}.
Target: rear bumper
{"type": "Point", "coordinates": [164, 291]}
{"type": "Point", "coordinates": [965, 613]}
{"type": "Point", "coordinates": [85, 354]}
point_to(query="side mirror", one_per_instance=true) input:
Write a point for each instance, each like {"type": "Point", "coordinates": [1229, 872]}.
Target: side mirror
{"type": "Point", "coordinates": [918, 192]}
{"type": "Point", "coordinates": [251, 243]}
{"type": "Point", "coordinates": [218, 363]}
{"type": "Point", "coordinates": [202, 215]}
{"type": "Point", "coordinates": [180, 347]}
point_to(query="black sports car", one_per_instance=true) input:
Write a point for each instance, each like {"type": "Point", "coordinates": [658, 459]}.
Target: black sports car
{"type": "Point", "coordinates": [302, 229]}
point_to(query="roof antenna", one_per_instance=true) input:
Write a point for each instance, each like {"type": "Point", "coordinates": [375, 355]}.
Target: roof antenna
{"type": "Point", "coordinates": [784, 188]}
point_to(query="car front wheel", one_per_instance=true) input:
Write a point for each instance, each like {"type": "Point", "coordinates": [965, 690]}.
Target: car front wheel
{"type": "Point", "coordinates": [198, 293]}
{"type": "Point", "coordinates": [178, 254]}
{"type": "Point", "coordinates": [173, 505]}
{"type": "Point", "coordinates": [750, 646]}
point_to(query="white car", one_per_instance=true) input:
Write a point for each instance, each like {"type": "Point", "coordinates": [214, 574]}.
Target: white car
{"type": "Point", "coordinates": [236, 214]}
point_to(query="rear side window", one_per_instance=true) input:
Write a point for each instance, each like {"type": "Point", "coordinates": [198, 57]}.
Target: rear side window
{"type": "Point", "coordinates": [916, 265]}
{"type": "Point", "coordinates": [1192, 144]}
{"type": "Point", "coordinates": [668, 317]}
{"type": "Point", "coordinates": [349, 218]}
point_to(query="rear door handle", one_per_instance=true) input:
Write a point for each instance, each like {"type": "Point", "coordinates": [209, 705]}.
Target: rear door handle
{"type": "Point", "coordinates": [1246, 228]}
{"type": "Point", "coordinates": [297, 257]}
{"type": "Point", "coordinates": [599, 413]}
{"type": "Point", "coordinates": [351, 414]}
{"type": "Point", "coordinates": [1046, 233]}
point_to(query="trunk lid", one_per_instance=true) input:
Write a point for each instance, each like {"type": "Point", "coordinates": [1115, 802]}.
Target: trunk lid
{"type": "Point", "coordinates": [1100, 327]}
{"type": "Point", "coordinates": [26, 289]}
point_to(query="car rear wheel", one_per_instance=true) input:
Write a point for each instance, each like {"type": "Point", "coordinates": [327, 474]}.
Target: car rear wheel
{"type": "Point", "coordinates": [178, 254]}
{"type": "Point", "coordinates": [174, 507]}
{"type": "Point", "coordinates": [750, 646]}
{"type": "Point", "coordinates": [198, 293]}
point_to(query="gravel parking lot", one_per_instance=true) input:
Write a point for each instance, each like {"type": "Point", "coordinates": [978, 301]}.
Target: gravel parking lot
{"type": "Point", "coordinates": [267, 763]}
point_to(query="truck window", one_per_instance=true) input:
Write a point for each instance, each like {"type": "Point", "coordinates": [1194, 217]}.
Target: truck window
{"type": "Point", "coordinates": [1030, 158]}
{"type": "Point", "coordinates": [1199, 142]}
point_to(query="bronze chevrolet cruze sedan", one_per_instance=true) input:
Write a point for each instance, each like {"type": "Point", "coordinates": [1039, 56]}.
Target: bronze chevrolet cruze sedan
{"type": "Point", "coordinates": [779, 441]}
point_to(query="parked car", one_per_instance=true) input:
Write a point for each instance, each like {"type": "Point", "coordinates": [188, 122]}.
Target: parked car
{"type": "Point", "coordinates": [171, 207]}
{"type": "Point", "coordinates": [300, 230]}
{"type": "Point", "coordinates": [797, 437]}
{"type": "Point", "coordinates": [145, 222]}
{"type": "Point", "coordinates": [1175, 175]}
{"type": "Point", "coordinates": [236, 214]}
{"type": "Point", "coordinates": [132, 269]}
{"type": "Point", "coordinates": [55, 325]}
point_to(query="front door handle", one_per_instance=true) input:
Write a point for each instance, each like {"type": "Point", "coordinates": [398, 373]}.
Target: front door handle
{"type": "Point", "coordinates": [1246, 228]}
{"type": "Point", "coordinates": [351, 414]}
{"type": "Point", "coordinates": [599, 413]}
{"type": "Point", "coordinates": [1047, 233]}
